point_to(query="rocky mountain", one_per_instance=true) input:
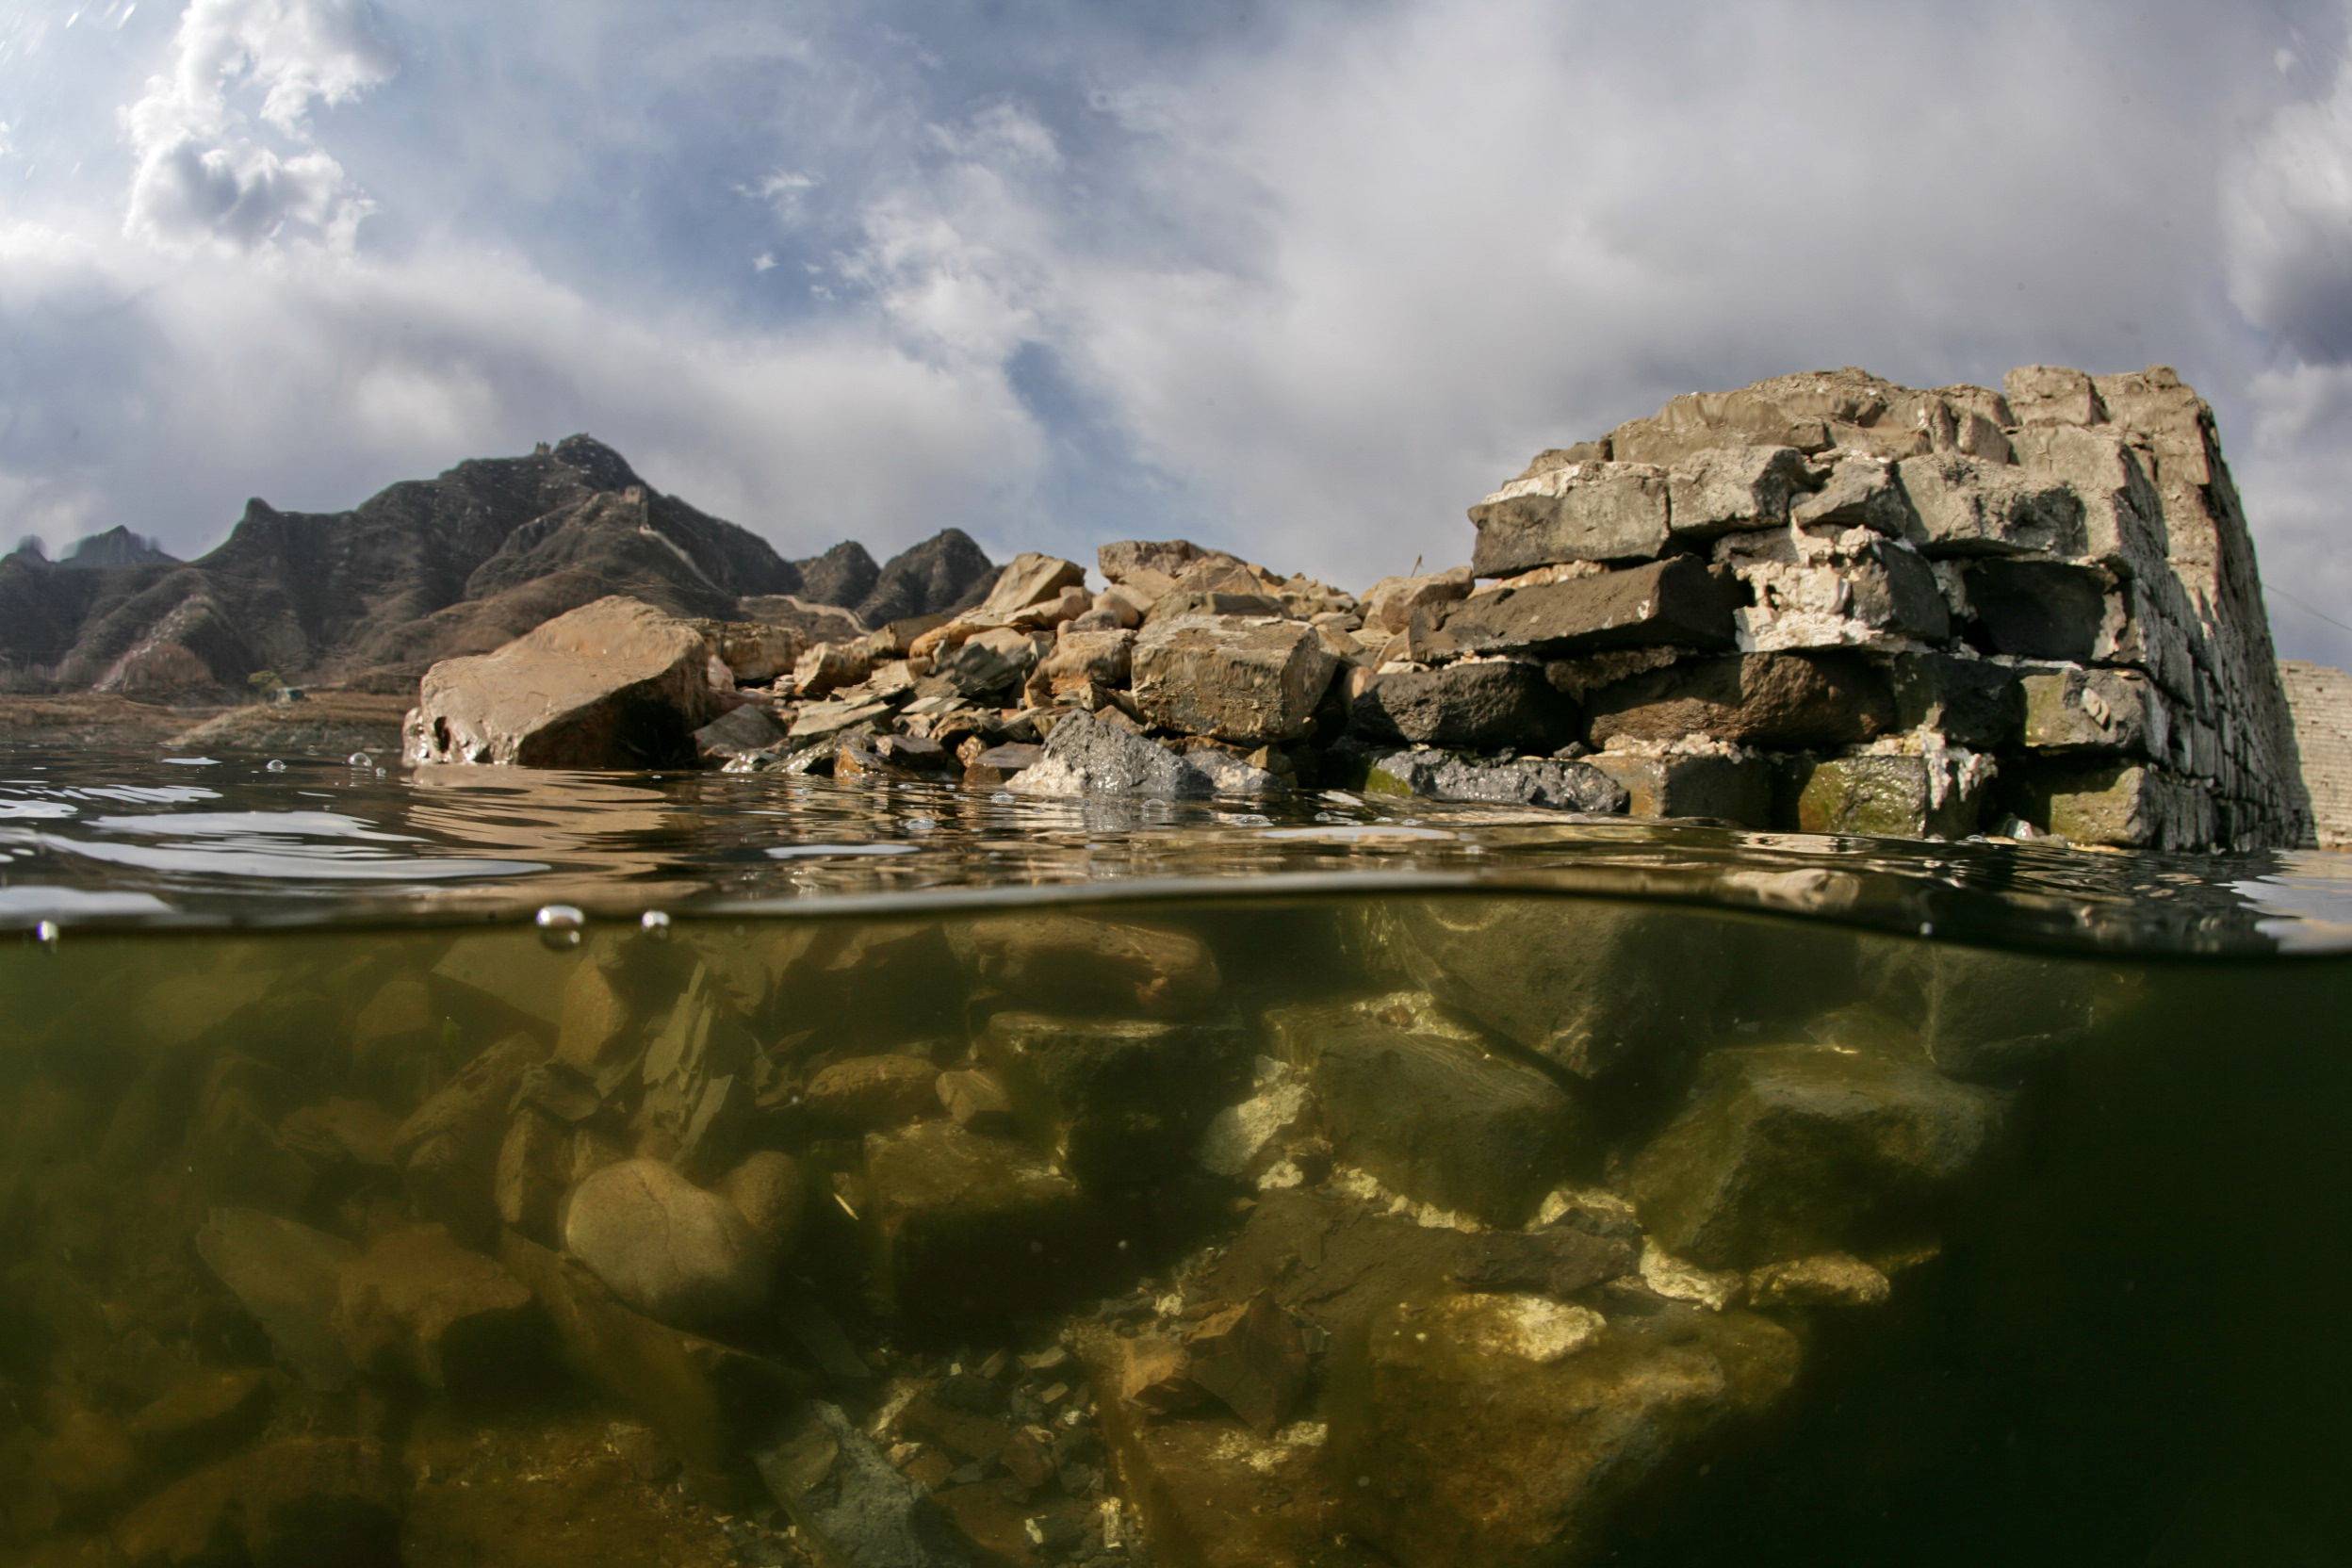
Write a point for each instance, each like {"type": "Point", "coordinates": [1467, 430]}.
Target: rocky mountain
{"type": "Point", "coordinates": [116, 546]}
{"type": "Point", "coordinates": [422, 571]}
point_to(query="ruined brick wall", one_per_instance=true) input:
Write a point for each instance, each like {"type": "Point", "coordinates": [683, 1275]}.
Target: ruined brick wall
{"type": "Point", "coordinates": [2321, 699]}
{"type": "Point", "coordinates": [1845, 605]}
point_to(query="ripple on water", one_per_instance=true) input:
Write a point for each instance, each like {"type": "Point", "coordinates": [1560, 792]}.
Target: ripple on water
{"type": "Point", "coordinates": [316, 842]}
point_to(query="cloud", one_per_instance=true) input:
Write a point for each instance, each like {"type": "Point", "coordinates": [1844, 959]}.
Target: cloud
{"type": "Point", "coordinates": [204, 175]}
{"type": "Point", "coordinates": [1339, 278]}
{"type": "Point", "coordinates": [2287, 213]}
{"type": "Point", "coordinates": [157, 391]}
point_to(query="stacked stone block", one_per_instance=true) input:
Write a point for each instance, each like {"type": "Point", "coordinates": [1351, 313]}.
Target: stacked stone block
{"type": "Point", "coordinates": [2321, 700]}
{"type": "Point", "coordinates": [1830, 603]}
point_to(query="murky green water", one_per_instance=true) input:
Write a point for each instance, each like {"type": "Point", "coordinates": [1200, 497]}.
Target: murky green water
{"type": "Point", "coordinates": [944, 1179]}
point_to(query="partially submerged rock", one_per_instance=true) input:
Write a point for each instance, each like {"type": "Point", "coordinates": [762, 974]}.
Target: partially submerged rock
{"type": "Point", "coordinates": [613, 685]}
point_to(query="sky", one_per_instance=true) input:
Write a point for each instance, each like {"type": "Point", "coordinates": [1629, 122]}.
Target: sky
{"type": "Point", "coordinates": [1302, 280]}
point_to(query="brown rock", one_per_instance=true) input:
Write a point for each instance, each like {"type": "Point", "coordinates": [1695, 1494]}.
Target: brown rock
{"type": "Point", "coordinates": [1582, 512]}
{"type": "Point", "coordinates": [613, 685]}
{"type": "Point", "coordinates": [710, 1401]}
{"type": "Point", "coordinates": [1029, 579]}
{"type": "Point", "coordinates": [1676, 602]}
{"type": "Point", "coordinates": [1247, 681]}
{"type": "Point", "coordinates": [665, 1246]}
{"type": "Point", "coordinates": [448, 1146]}
{"type": "Point", "coordinates": [1595, 1420]}
{"type": "Point", "coordinates": [284, 1275]}
{"type": "Point", "coordinates": [968, 1228]}
{"type": "Point", "coordinates": [1769, 699]}
{"type": "Point", "coordinates": [419, 1305]}
{"type": "Point", "coordinates": [976, 1101]}
{"type": "Point", "coordinates": [864, 1094]}
{"type": "Point", "coordinates": [1076, 963]}
{"type": "Point", "coordinates": [1389, 604]}
{"type": "Point", "coordinates": [303, 1501]}
{"type": "Point", "coordinates": [1253, 1357]}
{"type": "Point", "coordinates": [771, 1191]}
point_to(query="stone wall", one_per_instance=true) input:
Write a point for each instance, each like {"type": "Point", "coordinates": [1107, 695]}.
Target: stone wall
{"type": "Point", "coordinates": [2321, 700]}
{"type": "Point", "coordinates": [1859, 607]}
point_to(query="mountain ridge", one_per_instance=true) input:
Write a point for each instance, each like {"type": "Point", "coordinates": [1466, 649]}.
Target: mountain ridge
{"type": "Point", "coordinates": [423, 571]}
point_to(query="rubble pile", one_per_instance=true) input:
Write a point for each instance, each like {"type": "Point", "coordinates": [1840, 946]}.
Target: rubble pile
{"type": "Point", "coordinates": [1823, 602]}
{"type": "Point", "coordinates": [1020, 1238]}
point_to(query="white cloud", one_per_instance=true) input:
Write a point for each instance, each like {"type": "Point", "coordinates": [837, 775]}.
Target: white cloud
{"type": "Point", "coordinates": [204, 175]}
{"type": "Point", "coordinates": [2287, 211]}
{"type": "Point", "coordinates": [158, 391]}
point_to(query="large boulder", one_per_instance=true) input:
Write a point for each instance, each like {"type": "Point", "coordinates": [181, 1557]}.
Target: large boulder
{"type": "Point", "coordinates": [665, 1246]}
{"type": "Point", "coordinates": [1516, 1431]}
{"type": "Point", "coordinates": [613, 685]}
{"type": "Point", "coordinates": [1442, 1122]}
{"type": "Point", "coordinates": [1783, 1151]}
{"type": "Point", "coordinates": [1251, 682]}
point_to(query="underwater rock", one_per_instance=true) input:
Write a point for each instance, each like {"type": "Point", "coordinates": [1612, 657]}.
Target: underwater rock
{"type": "Point", "coordinates": [203, 1413]}
{"type": "Point", "coordinates": [968, 1229]}
{"type": "Point", "coordinates": [1212, 1492]}
{"type": "Point", "coordinates": [866, 1094]}
{"type": "Point", "coordinates": [709, 1401]}
{"type": "Point", "coordinates": [1613, 989]}
{"type": "Point", "coordinates": [1438, 1388]}
{"type": "Point", "coordinates": [1121, 1100]}
{"type": "Point", "coordinates": [448, 1146]}
{"type": "Point", "coordinates": [976, 1101]}
{"type": "Point", "coordinates": [665, 1246]}
{"type": "Point", "coordinates": [1783, 1152]}
{"type": "Point", "coordinates": [1334, 1261]}
{"type": "Point", "coordinates": [613, 685]}
{"type": "Point", "coordinates": [416, 1304]}
{"type": "Point", "coordinates": [534, 1171]}
{"type": "Point", "coordinates": [284, 1275]}
{"type": "Point", "coordinates": [302, 1500]}
{"type": "Point", "coordinates": [1442, 1123]}
{"type": "Point", "coordinates": [849, 1500]}
{"type": "Point", "coordinates": [1251, 1357]}
{"type": "Point", "coordinates": [771, 1191]}
{"type": "Point", "coordinates": [1075, 963]}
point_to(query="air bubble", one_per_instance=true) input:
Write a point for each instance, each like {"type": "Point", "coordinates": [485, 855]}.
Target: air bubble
{"type": "Point", "coordinates": [559, 925]}
{"type": "Point", "coordinates": [359, 760]}
{"type": "Point", "coordinates": [273, 765]}
{"type": "Point", "coordinates": [655, 923]}
{"type": "Point", "coordinates": [47, 933]}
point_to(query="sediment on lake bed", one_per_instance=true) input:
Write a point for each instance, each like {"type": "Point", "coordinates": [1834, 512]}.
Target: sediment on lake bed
{"type": "Point", "coordinates": [1823, 602]}
{"type": "Point", "coordinates": [1407, 1230]}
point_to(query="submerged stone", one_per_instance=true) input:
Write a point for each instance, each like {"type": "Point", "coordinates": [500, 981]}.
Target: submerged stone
{"type": "Point", "coordinates": [1594, 1422]}
{"type": "Point", "coordinates": [665, 1246]}
{"type": "Point", "coordinates": [965, 1228]}
{"type": "Point", "coordinates": [1443, 1123]}
{"type": "Point", "coordinates": [1787, 1150]}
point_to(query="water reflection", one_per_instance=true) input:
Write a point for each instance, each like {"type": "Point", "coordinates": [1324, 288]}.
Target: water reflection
{"type": "Point", "coordinates": [313, 840]}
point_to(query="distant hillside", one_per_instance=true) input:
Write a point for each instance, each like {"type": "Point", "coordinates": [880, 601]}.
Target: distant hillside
{"type": "Point", "coordinates": [422, 571]}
